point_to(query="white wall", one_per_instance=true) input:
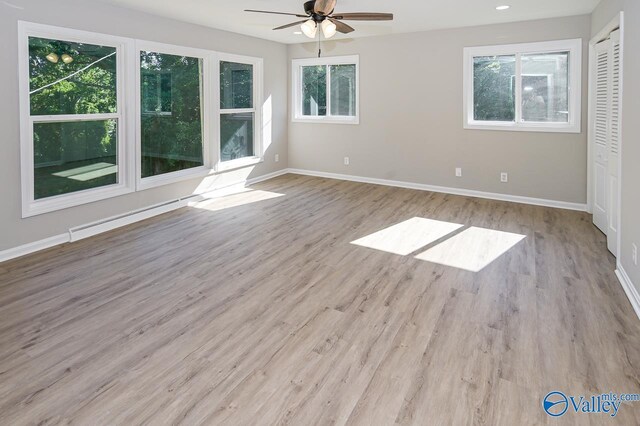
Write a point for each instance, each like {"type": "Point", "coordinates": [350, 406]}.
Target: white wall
{"type": "Point", "coordinates": [630, 203]}
{"type": "Point", "coordinates": [411, 119]}
{"type": "Point", "coordinates": [98, 17]}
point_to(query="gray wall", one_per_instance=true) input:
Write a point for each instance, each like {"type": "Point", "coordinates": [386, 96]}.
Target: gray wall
{"type": "Point", "coordinates": [630, 203]}
{"type": "Point", "coordinates": [411, 120]}
{"type": "Point", "coordinates": [411, 126]}
{"type": "Point", "coordinates": [98, 17]}
{"type": "Point", "coordinates": [604, 13]}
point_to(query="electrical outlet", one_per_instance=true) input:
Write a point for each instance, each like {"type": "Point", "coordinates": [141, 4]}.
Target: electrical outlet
{"type": "Point", "coordinates": [458, 172]}
{"type": "Point", "coordinates": [634, 254]}
{"type": "Point", "coordinates": [346, 161]}
{"type": "Point", "coordinates": [504, 177]}
{"type": "Point", "coordinates": [277, 158]}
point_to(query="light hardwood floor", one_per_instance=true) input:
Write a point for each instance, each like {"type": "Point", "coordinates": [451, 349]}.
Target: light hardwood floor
{"type": "Point", "coordinates": [257, 309]}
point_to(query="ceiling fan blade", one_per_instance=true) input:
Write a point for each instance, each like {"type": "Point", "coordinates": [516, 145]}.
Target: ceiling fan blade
{"type": "Point", "coordinates": [364, 16]}
{"type": "Point", "coordinates": [324, 7]}
{"type": "Point", "coordinates": [276, 13]}
{"type": "Point", "coordinates": [293, 24]}
{"type": "Point", "coordinates": [342, 27]}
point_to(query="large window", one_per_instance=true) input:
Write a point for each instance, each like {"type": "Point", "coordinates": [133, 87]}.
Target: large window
{"type": "Point", "coordinates": [527, 87]}
{"type": "Point", "coordinates": [239, 113]}
{"type": "Point", "coordinates": [73, 120]}
{"type": "Point", "coordinates": [172, 107]}
{"type": "Point", "coordinates": [326, 90]}
{"type": "Point", "coordinates": [103, 116]}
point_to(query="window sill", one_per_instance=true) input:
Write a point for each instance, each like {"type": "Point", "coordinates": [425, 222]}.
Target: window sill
{"type": "Point", "coordinates": [226, 166]}
{"type": "Point", "coordinates": [513, 127]}
{"type": "Point", "coordinates": [75, 199]}
{"type": "Point", "coordinates": [173, 177]}
{"type": "Point", "coordinates": [330, 120]}
{"type": "Point", "coordinates": [60, 202]}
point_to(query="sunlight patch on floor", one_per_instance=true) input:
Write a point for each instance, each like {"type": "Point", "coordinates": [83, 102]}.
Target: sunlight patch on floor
{"type": "Point", "coordinates": [472, 249]}
{"type": "Point", "coordinates": [238, 198]}
{"type": "Point", "coordinates": [408, 236]}
{"type": "Point", "coordinates": [92, 171]}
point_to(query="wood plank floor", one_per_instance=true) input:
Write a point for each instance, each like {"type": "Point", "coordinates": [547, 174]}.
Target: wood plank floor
{"type": "Point", "coordinates": [256, 309]}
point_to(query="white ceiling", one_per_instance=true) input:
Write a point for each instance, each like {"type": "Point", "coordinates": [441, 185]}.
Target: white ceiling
{"type": "Point", "coordinates": [410, 15]}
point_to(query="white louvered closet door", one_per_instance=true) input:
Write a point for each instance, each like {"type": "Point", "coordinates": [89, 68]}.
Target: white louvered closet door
{"type": "Point", "coordinates": [601, 135]}
{"type": "Point", "coordinates": [613, 195]}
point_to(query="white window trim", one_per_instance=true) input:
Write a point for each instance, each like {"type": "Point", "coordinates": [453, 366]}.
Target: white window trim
{"type": "Point", "coordinates": [296, 90]}
{"type": "Point", "coordinates": [574, 47]}
{"type": "Point", "coordinates": [125, 116]}
{"type": "Point", "coordinates": [258, 125]}
{"type": "Point", "coordinates": [129, 109]}
{"type": "Point", "coordinates": [207, 93]}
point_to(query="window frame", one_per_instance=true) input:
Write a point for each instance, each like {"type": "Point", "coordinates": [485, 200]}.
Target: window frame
{"type": "Point", "coordinates": [124, 116]}
{"type": "Point", "coordinates": [129, 108]}
{"type": "Point", "coordinates": [573, 125]}
{"type": "Point", "coordinates": [258, 124]}
{"type": "Point", "coordinates": [207, 99]}
{"type": "Point", "coordinates": [296, 91]}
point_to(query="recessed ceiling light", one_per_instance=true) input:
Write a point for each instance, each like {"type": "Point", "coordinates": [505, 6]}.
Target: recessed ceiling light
{"type": "Point", "coordinates": [503, 7]}
{"type": "Point", "coordinates": [297, 32]}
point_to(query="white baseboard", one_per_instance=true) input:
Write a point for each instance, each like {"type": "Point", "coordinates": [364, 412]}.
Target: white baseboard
{"type": "Point", "coordinates": [110, 223]}
{"type": "Point", "coordinates": [33, 247]}
{"type": "Point", "coordinates": [114, 222]}
{"type": "Point", "coordinates": [446, 190]}
{"type": "Point", "coordinates": [268, 176]}
{"type": "Point", "coordinates": [629, 289]}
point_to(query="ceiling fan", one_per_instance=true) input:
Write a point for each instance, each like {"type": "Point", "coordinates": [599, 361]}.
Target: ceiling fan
{"type": "Point", "coordinates": [320, 13]}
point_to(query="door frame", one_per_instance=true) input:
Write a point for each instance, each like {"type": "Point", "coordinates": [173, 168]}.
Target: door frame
{"type": "Point", "coordinates": [616, 23]}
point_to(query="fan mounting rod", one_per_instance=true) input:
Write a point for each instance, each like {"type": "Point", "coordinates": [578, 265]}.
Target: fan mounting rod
{"type": "Point", "coordinates": [309, 7]}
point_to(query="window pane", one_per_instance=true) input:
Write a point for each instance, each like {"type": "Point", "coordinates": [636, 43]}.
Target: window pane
{"type": "Point", "coordinates": [236, 85]}
{"type": "Point", "coordinates": [171, 119]}
{"type": "Point", "coordinates": [314, 90]}
{"type": "Point", "coordinates": [545, 87]}
{"type": "Point", "coordinates": [494, 88]}
{"type": "Point", "coordinates": [236, 136]}
{"type": "Point", "coordinates": [73, 156]}
{"type": "Point", "coordinates": [71, 78]}
{"type": "Point", "coordinates": [343, 90]}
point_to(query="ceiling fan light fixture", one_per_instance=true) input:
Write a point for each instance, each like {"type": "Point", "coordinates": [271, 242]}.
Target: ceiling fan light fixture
{"type": "Point", "coordinates": [309, 28]}
{"type": "Point", "coordinates": [328, 28]}
{"type": "Point", "coordinates": [52, 57]}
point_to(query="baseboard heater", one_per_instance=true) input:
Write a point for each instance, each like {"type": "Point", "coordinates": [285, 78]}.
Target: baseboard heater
{"type": "Point", "coordinates": [108, 224]}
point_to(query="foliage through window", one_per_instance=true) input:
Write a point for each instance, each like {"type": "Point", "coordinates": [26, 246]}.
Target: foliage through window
{"type": "Point", "coordinates": [314, 90]}
{"type": "Point", "coordinates": [73, 103]}
{"type": "Point", "coordinates": [237, 111]}
{"type": "Point", "coordinates": [524, 87]}
{"type": "Point", "coordinates": [343, 90]}
{"type": "Point", "coordinates": [326, 89]}
{"type": "Point", "coordinates": [171, 118]}
{"type": "Point", "coordinates": [494, 93]}
{"type": "Point", "coordinates": [96, 125]}
{"type": "Point", "coordinates": [236, 85]}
